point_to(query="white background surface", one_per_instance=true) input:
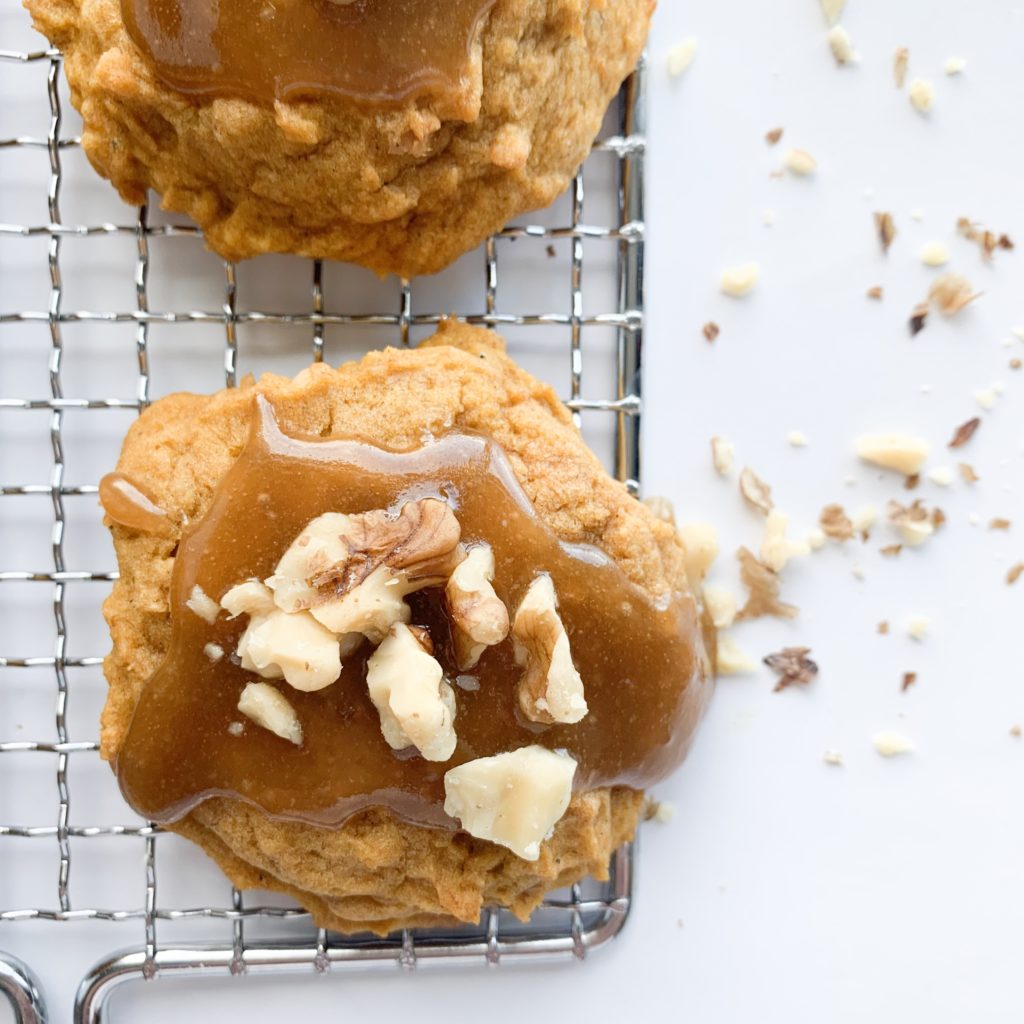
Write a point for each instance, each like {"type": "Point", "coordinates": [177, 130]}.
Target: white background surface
{"type": "Point", "coordinates": [786, 890]}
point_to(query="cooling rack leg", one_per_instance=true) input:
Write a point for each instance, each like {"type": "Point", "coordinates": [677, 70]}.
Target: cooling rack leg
{"type": "Point", "coordinates": [21, 989]}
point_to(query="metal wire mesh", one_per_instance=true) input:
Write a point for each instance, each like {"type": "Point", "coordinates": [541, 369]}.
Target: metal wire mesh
{"type": "Point", "coordinates": [569, 923]}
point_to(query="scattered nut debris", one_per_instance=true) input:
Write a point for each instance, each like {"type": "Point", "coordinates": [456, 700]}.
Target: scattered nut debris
{"type": "Point", "coordinates": [711, 330]}
{"type": "Point", "coordinates": [912, 482]}
{"type": "Point", "coordinates": [934, 254]}
{"type": "Point", "coordinates": [776, 548]}
{"type": "Point", "coordinates": [941, 475]}
{"type": "Point", "coordinates": [917, 214]}
{"type": "Point", "coordinates": [680, 56]}
{"type": "Point", "coordinates": [832, 9]}
{"type": "Point", "coordinates": [914, 522]}
{"type": "Point", "coordinates": [917, 626]}
{"type": "Point", "coordinates": [793, 667]}
{"type": "Point", "coordinates": [1014, 573]}
{"type": "Point", "coordinates": [772, 137]}
{"type": "Point", "coordinates": [836, 523]}
{"type": "Point", "coordinates": [550, 250]}
{"type": "Point", "coordinates": [891, 550]}
{"type": "Point", "coordinates": [988, 241]}
{"type": "Point", "coordinates": [841, 45]}
{"type": "Point", "coordinates": [236, 728]}
{"type": "Point", "coordinates": [909, 678]}
{"type": "Point", "coordinates": [833, 757]}
{"type": "Point", "coordinates": [660, 811]}
{"type": "Point", "coordinates": [798, 439]}
{"type": "Point", "coordinates": [950, 293]}
{"type": "Point", "coordinates": [964, 432]}
{"type": "Point", "coordinates": [999, 524]}
{"type": "Point", "coordinates": [721, 605]}
{"type": "Point", "coordinates": [816, 539]}
{"type": "Point", "coordinates": [922, 95]}
{"type": "Point", "coordinates": [203, 605]}
{"type": "Point", "coordinates": [857, 572]}
{"type": "Point", "coordinates": [886, 228]}
{"type": "Point", "coordinates": [863, 519]}
{"type": "Point", "coordinates": [214, 652]}
{"type": "Point", "coordinates": [900, 61]}
{"type": "Point", "coordinates": [1016, 731]}
{"type": "Point", "coordinates": [918, 316]}
{"type": "Point", "coordinates": [731, 660]}
{"type": "Point", "coordinates": [883, 627]}
{"type": "Point", "coordinates": [768, 217]}
{"type": "Point", "coordinates": [756, 493]}
{"type": "Point", "coordinates": [763, 585]}
{"type": "Point", "coordinates": [739, 281]}
{"type": "Point", "coordinates": [799, 162]}
{"type": "Point", "coordinates": [891, 744]}
{"type": "Point", "coordinates": [875, 292]}
{"type": "Point", "coordinates": [1015, 364]}
{"type": "Point", "coordinates": [967, 472]}
{"type": "Point", "coordinates": [722, 453]}
{"type": "Point", "coordinates": [954, 65]}
{"type": "Point", "coordinates": [986, 398]}
{"type": "Point", "coordinates": [902, 452]}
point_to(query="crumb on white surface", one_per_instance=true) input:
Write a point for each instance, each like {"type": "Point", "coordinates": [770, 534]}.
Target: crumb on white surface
{"type": "Point", "coordinates": [918, 626]}
{"type": "Point", "coordinates": [768, 217]}
{"type": "Point", "coordinates": [934, 254]}
{"type": "Point", "coordinates": [833, 757]}
{"type": "Point", "coordinates": [722, 454]}
{"type": "Point", "coordinates": [864, 518]}
{"type": "Point", "coordinates": [841, 45]}
{"type": "Point", "coordinates": [816, 539]}
{"type": "Point", "coordinates": [943, 476]}
{"type": "Point", "coordinates": [892, 744]}
{"type": "Point", "coordinates": [986, 398]}
{"type": "Point", "coordinates": [901, 452]}
{"type": "Point", "coordinates": [832, 9]}
{"type": "Point", "coordinates": [680, 56]}
{"type": "Point", "coordinates": [922, 95]}
{"type": "Point", "coordinates": [798, 439]}
{"type": "Point", "coordinates": [955, 65]}
{"type": "Point", "coordinates": [721, 604]}
{"type": "Point", "coordinates": [917, 214]}
{"type": "Point", "coordinates": [732, 660]}
{"type": "Point", "coordinates": [900, 62]}
{"type": "Point", "coordinates": [740, 280]}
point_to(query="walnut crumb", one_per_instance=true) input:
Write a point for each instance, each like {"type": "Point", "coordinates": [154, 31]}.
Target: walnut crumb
{"type": "Point", "coordinates": [875, 292]}
{"type": "Point", "coordinates": [886, 228]}
{"type": "Point", "coordinates": [1015, 363]}
{"type": "Point", "coordinates": [950, 293]}
{"type": "Point", "coordinates": [918, 316]}
{"type": "Point", "coordinates": [1016, 731]}
{"type": "Point", "coordinates": [987, 241]}
{"type": "Point", "coordinates": [772, 137]}
{"type": "Point", "coordinates": [833, 757]}
{"type": "Point", "coordinates": [710, 330]}
{"type": "Point", "coordinates": [965, 432]}
{"type": "Point", "coordinates": [680, 56]}
{"type": "Point", "coordinates": [841, 45]}
{"type": "Point", "coordinates": [967, 472]}
{"type": "Point", "coordinates": [922, 95]}
{"type": "Point", "coordinates": [934, 254]}
{"type": "Point", "coordinates": [722, 454]}
{"type": "Point", "coordinates": [912, 482]}
{"type": "Point", "coordinates": [793, 667]}
{"type": "Point", "coordinates": [832, 9]}
{"type": "Point", "coordinates": [999, 524]}
{"type": "Point", "coordinates": [900, 61]}
{"type": "Point", "coordinates": [763, 584]}
{"type": "Point", "coordinates": [883, 627]}
{"type": "Point", "coordinates": [756, 493]}
{"type": "Point", "coordinates": [890, 550]}
{"type": "Point", "coordinates": [836, 523]}
{"type": "Point", "coordinates": [954, 65]}
{"type": "Point", "coordinates": [1014, 573]}
{"type": "Point", "coordinates": [739, 281]}
{"type": "Point", "coordinates": [909, 678]}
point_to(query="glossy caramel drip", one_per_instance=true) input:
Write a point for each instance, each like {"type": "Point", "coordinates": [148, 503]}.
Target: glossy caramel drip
{"type": "Point", "coordinates": [641, 664]}
{"type": "Point", "coordinates": [382, 51]}
{"type": "Point", "coordinates": [126, 503]}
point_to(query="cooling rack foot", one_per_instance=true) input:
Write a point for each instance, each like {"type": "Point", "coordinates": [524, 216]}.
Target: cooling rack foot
{"type": "Point", "coordinates": [21, 989]}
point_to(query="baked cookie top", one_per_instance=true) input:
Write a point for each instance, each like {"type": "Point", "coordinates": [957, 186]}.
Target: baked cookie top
{"type": "Point", "coordinates": [400, 189]}
{"type": "Point", "coordinates": [458, 384]}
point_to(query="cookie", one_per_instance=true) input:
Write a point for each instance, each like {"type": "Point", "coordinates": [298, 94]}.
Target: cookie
{"type": "Point", "coordinates": [376, 869]}
{"type": "Point", "coordinates": [403, 188]}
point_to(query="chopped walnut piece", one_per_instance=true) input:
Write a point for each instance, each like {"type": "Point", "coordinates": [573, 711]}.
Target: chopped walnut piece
{"type": "Point", "coordinates": [261, 703]}
{"type": "Point", "coordinates": [793, 666]}
{"type": "Point", "coordinates": [739, 281]}
{"type": "Point", "coordinates": [772, 137]}
{"type": "Point", "coordinates": [922, 95]}
{"type": "Point", "coordinates": [988, 241]}
{"type": "Point", "coordinates": [841, 45]}
{"type": "Point", "coordinates": [1015, 363]}
{"type": "Point", "coordinates": [950, 293]}
{"type": "Point", "coordinates": [776, 548]}
{"type": "Point", "coordinates": [942, 476]}
{"type": "Point", "coordinates": [756, 493]}
{"type": "Point", "coordinates": [415, 703]}
{"type": "Point", "coordinates": [891, 550]}
{"type": "Point", "coordinates": [909, 678]}
{"type": "Point", "coordinates": [799, 162]}
{"type": "Point", "coordinates": [1014, 573]}
{"type": "Point", "coordinates": [912, 482]}
{"type": "Point", "coordinates": [832, 9]}
{"type": "Point", "coordinates": [731, 660]}
{"type": "Point", "coordinates": [711, 330]}
{"type": "Point", "coordinates": [902, 452]}
{"type": "Point", "coordinates": [918, 316]}
{"type": "Point", "coordinates": [721, 605]}
{"type": "Point", "coordinates": [550, 689]}
{"type": "Point", "coordinates": [918, 626]}
{"type": "Point", "coordinates": [964, 432]}
{"type": "Point", "coordinates": [660, 811]}
{"type": "Point", "coordinates": [886, 228]}
{"type": "Point", "coordinates": [934, 254]}
{"type": "Point", "coordinates": [883, 627]}
{"type": "Point", "coordinates": [833, 757]}
{"type": "Point", "coordinates": [763, 585]}
{"type": "Point", "coordinates": [914, 522]}
{"type": "Point", "coordinates": [891, 744]}
{"type": "Point", "coordinates": [1016, 731]}
{"type": "Point", "coordinates": [478, 616]}
{"type": "Point", "coordinates": [863, 519]}
{"type": "Point", "coordinates": [954, 65]}
{"type": "Point", "coordinates": [967, 472]}
{"type": "Point", "coordinates": [900, 61]}
{"type": "Point", "coordinates": [875, 292]}
{"type": "Point", "coordinates": [700, 540]}
{"type": "Point", "coordinates": [722, 453]}
{"type": "Point", "coordinates": [798, 439]}
{"type": "Point", "coordinates": [680, 56]}
{"type": "Point", "coordinates": [200, 602]}
{"type": "Point", "coordinates": [999, 524]}
{"type": "Point", "coordinates": [836, 523]}
{"type": "Point", "coordinates": [353, 572]}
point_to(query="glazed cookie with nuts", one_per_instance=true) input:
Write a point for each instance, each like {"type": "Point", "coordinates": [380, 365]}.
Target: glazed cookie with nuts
{"type": "Point", "coordinates": [409, 649]}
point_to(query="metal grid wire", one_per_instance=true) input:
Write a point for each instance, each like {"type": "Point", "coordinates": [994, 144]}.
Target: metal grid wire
{"type": "Point", "coordinates": [569, 923]}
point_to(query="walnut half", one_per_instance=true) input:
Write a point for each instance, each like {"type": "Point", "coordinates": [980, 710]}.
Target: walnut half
{"type": "Point", "coordinates": [479, 617]}
{"type": "Point", "coordinates": [550, 689]}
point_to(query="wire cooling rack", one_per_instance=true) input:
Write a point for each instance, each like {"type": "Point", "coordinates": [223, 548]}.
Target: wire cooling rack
{"type": "Point", "coordinates": [65, 881]}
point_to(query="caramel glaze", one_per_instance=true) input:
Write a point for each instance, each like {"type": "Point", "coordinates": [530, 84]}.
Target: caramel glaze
{"type": "Point", "coordinates": [641, 661]}
{"type": "Point", "coordinates": [382, 51]}
{"type": "Point", "coordinates": [126, 503]}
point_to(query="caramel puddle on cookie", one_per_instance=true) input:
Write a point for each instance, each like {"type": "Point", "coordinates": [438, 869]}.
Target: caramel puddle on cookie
{"type": "Point", "coordinates": [641, 663]}
{"type": "Point", "coordinates": [384, 51]}
{"type": "Point", "coordinates": [126, 502]}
